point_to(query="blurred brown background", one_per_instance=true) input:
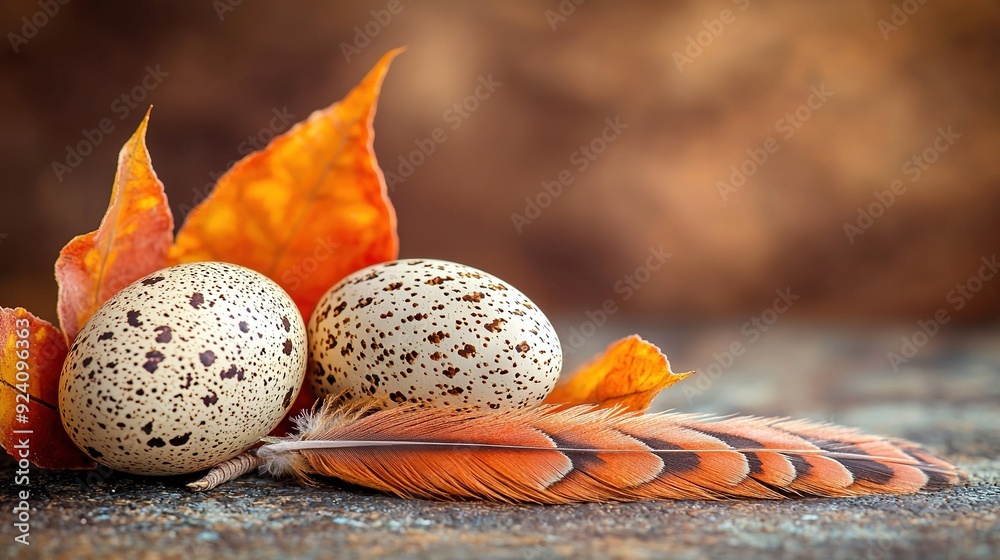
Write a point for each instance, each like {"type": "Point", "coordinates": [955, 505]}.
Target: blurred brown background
{"type": "Point", "coordinates": [230, 69]}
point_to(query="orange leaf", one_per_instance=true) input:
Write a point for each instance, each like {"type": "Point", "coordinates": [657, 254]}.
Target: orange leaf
{"type": "Point", "coordinates": [132, 240]}
{"type": "Point", "coordinates": [308, 209]}
{"type": "Point", "coordinates": [630, 374]}
{"type": "Point", "coordinates": [31, 358]}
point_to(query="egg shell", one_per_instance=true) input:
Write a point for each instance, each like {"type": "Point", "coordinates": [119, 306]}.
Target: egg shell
{"type": "Point", "coordinates": [183, 369]}
{"type": "Point", "coordinates": [432, 333]}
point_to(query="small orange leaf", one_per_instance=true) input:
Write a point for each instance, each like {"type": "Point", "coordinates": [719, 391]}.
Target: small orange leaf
{"type": "Point", "coordinates": [308, 209]}
{"type": "Point", "coordinates": [132, 240]}
{"type": "Point", "coordinates": [32, 352]}
{"type": "Point", "coordinates": [630, 374]}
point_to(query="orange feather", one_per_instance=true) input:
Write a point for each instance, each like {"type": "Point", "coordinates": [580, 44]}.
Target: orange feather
{"type": "Point", "coordinates": [582, 454]}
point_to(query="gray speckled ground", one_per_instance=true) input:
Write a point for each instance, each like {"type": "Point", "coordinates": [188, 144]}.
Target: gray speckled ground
{"type": "Point", "coordinates": [947, 397]}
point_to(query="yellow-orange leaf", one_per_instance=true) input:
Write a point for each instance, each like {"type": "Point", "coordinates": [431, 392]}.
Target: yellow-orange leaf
{"type": "Point", "coordinates": [308, 209]}
{"type": "Point", "coordinates": [31, 358]}
{"type": "Point", "coordinates": [629, 374]}
{"type": "Point", "coordinates": [133, 239]}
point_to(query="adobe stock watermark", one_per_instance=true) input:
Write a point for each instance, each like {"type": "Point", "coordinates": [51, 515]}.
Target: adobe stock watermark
{"type": "Point", "coordinates": [225, 7]}
{"type": "Point", "coordinates": [786, 127]}
{"type": "Point", "coordinates": [882, 544]}
{"type": "Point", "coordinates": [751, 331]}
{"type": "Point", "coordinates": [626, 288]}
{"type": "Point", "coordinates": [563, 11]}
{"type": "Point", "coordinates": [121, 106]}
{"type": "Point", "coordinates": [958, 297]}
{"type": "Point", "coordinates": [22, 432]}
{"type": "Point", "coordinates": [580, 160]}
{"type": "Point", "coordinates": [900, 15]}
{"type": "Point", "coordinates": [323, 250]}
{"type": "Point", "coordinates": [31, 25]}
{"type": "Point", "coordinates": [454, 116]}
{"type": "Point", "coordinates": [281, 120]}
{"type": "Point", "coordinates": [913, 168]}
{"type": "Point", "coordinates": [696, 44]}
{"type": "Point", "coordinates": [365, 34]}
{"type": "Point", "coordinates": [96, 476]}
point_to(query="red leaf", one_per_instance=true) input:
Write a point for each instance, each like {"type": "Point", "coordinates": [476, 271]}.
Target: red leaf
{"type": "Point", "coordinates": [31, 359]}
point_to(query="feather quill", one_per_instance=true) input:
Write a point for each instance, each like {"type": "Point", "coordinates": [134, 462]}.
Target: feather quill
{"type": "Point", "coordinates": [583, 454]}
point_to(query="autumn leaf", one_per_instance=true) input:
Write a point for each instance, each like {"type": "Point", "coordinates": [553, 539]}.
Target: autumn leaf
{"type": "Point", "coordinates": [133, 239]}
{"type": "Point", "coordinates": [308, 209]}
{"type": "Point", "coordinates": [630, 374]}
{"type": "Point", "coordinates": [32, 352]}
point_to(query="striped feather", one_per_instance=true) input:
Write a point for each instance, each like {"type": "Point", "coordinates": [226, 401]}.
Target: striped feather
{"type": "Point", "coordinates": [582, 454]}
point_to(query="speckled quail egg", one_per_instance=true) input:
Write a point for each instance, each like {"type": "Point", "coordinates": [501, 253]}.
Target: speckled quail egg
{"type": "Point", "coordinates": [183, 369]}
{"type": "Point", "coordinates": [432, 333]}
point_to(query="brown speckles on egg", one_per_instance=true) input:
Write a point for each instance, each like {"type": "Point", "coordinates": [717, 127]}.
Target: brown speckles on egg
{"type": "Point", "coordinates": [153, 360]}
{"type": "Point", "coordinates": [437, 337]}
{"type": "Point", "coordinates": [225, 349]}
{"type": "Point", "coordinates": [207, 358]}
{"type": "Point", "coordinates": [132, 317]}
{"type": "Point", "coordinates": [163, 334]}
{"type": "Point", "coordinates": [437, 280]}
{"type": "Point", "coordinates": [433, 333]}
{"type": "Point", "coordinates": [232, 372]}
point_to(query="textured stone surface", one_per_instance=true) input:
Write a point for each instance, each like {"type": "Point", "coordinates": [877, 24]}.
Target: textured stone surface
{"type": "Point", "coordinates": [946, 397]}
